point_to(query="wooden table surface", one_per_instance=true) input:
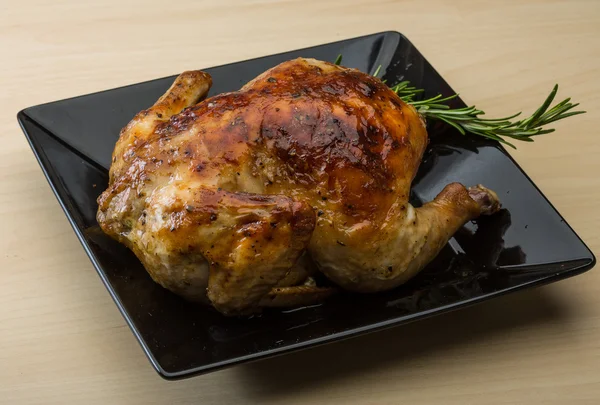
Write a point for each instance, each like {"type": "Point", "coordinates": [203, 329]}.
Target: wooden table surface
{"type": "Point", "coordinates": [62, 340]}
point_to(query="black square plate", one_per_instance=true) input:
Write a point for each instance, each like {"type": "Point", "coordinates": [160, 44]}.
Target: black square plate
{"type": "Point", "coordinates": [528, 243]}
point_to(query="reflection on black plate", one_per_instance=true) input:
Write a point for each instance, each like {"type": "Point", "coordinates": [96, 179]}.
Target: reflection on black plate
{"type": "Point", "coordinates": [526, 244]}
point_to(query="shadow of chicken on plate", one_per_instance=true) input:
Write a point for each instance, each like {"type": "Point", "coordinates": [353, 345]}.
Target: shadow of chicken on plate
{"type": "Point", "coordinates": [228, 200]}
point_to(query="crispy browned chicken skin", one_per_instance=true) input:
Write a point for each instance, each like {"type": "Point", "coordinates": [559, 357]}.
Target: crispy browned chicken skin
{"type": "Point", "coordinates": [229, 198]}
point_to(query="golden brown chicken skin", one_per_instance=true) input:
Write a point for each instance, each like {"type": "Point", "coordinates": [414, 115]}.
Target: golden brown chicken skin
{"type": "Point", "coordinates": [227, 199]}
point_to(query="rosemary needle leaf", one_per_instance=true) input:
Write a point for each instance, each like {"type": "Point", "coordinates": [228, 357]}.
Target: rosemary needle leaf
{"type": "Point", "coordinates": [536, 115]}
{"type": "Point", "coordinates": [505, 119]}
{"type": "Point", "coordinates": [338, 60]}
{"type": "Point", "coordinates": [377, 71]}
{"type": "Point", "coordinates": [458, 127]}
{"type": "Point", "coordinates": [543, 131]}
{"type": "Point", "coordinates": [565, 116]}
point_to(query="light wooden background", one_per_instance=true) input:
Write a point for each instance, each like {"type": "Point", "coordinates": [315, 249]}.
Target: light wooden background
{"type": "Point", "coordinates": [62, 339]}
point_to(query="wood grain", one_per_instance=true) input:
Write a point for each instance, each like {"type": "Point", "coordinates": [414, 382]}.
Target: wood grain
{"type": "Point", "coordinates": [62, 339]}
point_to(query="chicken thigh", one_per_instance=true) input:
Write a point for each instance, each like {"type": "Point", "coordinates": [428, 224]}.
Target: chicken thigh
{"type": "Point", "coordinates": [226, 200]}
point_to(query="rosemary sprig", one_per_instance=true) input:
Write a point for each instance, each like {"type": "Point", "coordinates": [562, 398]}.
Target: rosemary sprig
{"type": "Point", "coordinates": [467, 119]}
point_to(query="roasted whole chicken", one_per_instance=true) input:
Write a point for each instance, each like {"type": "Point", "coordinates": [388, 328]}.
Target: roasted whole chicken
{"type": "Point", "coordinates": [237, 199]}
